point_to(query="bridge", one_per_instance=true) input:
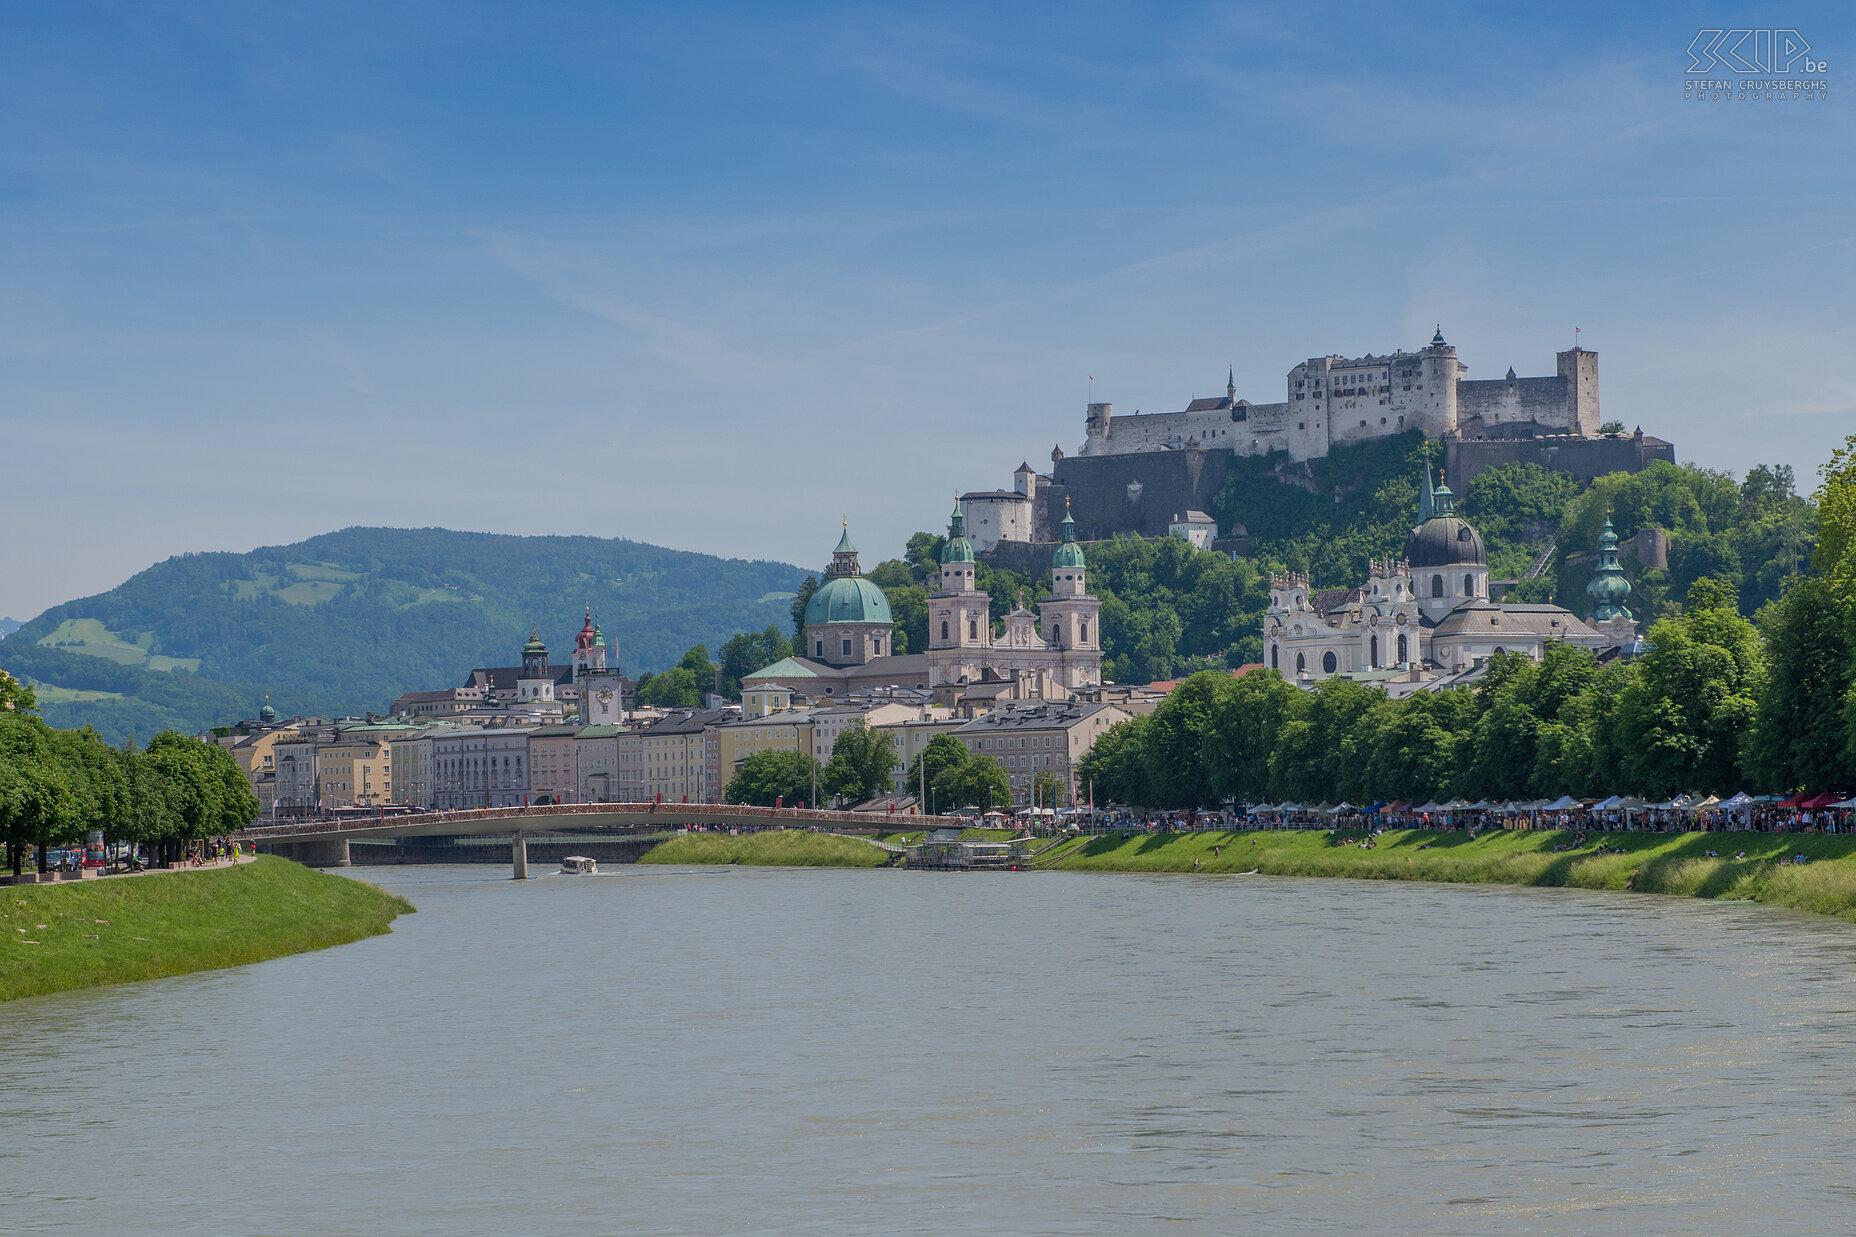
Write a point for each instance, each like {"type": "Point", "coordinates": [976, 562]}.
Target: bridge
{"type": "Point", "coordinates": [324, 842]}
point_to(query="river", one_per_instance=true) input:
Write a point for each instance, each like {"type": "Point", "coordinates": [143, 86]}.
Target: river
{"type": "Point", "coordinates": [675, 1051]}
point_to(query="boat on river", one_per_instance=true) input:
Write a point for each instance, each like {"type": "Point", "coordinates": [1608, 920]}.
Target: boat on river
{"type": "Point", "coordinates": [579, 865]}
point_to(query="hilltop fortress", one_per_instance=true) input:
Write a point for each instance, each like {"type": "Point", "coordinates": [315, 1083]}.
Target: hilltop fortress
{"type": "Point", "coordinates": [1332, 401]}
{"type": "Point", "coordinates": [1157, 473]}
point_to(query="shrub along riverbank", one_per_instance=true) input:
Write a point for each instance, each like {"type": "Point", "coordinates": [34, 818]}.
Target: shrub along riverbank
{"type": "Point", "coordinates": [72, 935]}
{"type": "Point", "coordinates": [791, 848]}
{"type": "Point", "coordinates": [1665, 863]}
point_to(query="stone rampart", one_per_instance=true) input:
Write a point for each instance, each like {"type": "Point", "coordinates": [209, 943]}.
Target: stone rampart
{"type": "Point", "coordinates": [1584, 458]}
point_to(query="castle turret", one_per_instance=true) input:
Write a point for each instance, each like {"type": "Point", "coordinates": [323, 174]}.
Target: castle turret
{"type": "Point", "coordinates": [1580, 370]}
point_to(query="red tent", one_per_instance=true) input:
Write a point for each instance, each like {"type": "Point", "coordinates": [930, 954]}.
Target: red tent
{"type": "Point", "coordinates": [1818, 801]}
{"type": "Point", "coordinates": [1794, 801]}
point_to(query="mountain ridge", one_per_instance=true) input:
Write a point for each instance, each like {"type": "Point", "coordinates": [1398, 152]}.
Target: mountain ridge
{"type": "Point", "coordinates": [344, 621]}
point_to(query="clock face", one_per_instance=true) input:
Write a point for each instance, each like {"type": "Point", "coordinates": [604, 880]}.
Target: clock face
{"type": "Point", "coordinates": [605, 695]}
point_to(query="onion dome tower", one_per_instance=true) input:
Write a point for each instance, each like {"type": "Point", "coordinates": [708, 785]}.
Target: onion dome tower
{"type": "Point", "coordinates": [536, 680]}
{"type": "Point", "coordinates": [958, 562]}
{"type": "Point", "coordinates": [1608, 587]}
{"type": "Point", "coordinates": [1071, 618]}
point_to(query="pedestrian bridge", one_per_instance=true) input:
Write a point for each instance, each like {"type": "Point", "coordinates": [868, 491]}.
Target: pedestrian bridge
{"type": "Point", "coordinates": [324, 842]}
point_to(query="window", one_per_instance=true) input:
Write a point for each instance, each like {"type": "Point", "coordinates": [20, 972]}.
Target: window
{"type": "Point", "coordinates": [1401, 650]}
{"type": "Point", "coordinates": [1437, 586]}
{"type": "Point", "coordinates": [1275, 658]}
{"type": "Point", "coordinates": [973, 629]}
{"type": "Point", "coordinates": [1301, 664]}
{"type": "Point", "coordinates": [1469, 586]}
{"type": "Point", "coordinates": [1329, 662]}
{"type": "Point", "coordinates": [944, 629]}
{"type": "Point", "coordinates": [847, 647]}
{"type": "Point", "coordinates": [1082, 631]}
{"type": "Point", "coordinates": [819, 650]}
{"type": "Point", "coordinates": [1375, 652]}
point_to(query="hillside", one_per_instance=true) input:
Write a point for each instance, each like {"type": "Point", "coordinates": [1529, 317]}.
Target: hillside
{"type": "Point", "coordinates": [344, 622]}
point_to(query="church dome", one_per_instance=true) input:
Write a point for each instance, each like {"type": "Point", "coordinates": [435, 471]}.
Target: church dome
{"type": "Point", "coordinates": [1445, 541]}
{"type": "Point", "coordinates": [847, 599]}
{"type": "Point", "coordinates": [267, 714]}
{"type": "Point", "coordinates": [1609, 589]}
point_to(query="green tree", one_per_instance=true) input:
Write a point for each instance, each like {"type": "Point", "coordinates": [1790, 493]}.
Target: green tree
{"type": "Point", "coordinates": [1240, 734]}
{"type": "Point", "coordinates": [1175, 739]}
{"type": "Point", "coordinates": [1115, 768]}
{"type": "Point", "coordinates": [908, 607]}
{"type": "Point", "coordinates": [923, 555]}
{"type": "Point", "coordinates": [1048, 790]}
{"type": "Point", "coordinates": [978, 782]}
{"type": "Point", "coordinates": [701, 669]}
{"type": "Point", "coordinates": [17, 696]}
{"type": "Point", "coordinates": [862, 765]}
{"type": "Point", "coordinates": [801, 600]}
{"type": "Point", "coordinates": [749, 651]}
{"type": "Point", "coordinates": [36, 808]}
{"type": "Point", "coordinates": [774, 774]}
{"type": "Point", "coordinates": [939, 754]}
{"type": "Point", "coordinates": [1684, 720]}
{"type": "Point", "coordinates": [673, 689]}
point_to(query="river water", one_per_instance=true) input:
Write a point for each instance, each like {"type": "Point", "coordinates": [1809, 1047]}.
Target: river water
{"type": "Point", "coordinates": [669, 1051]}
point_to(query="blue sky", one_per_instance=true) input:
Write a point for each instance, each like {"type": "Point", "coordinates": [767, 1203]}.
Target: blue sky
{"type": "Point", "coordinates": [712, 276]}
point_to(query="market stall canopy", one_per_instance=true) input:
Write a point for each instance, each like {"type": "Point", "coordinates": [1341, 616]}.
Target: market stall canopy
{"type": "Point", "coordinates": [1740, 800]}
{"type": "Point", "coordinates": [1608, 805]}
{"type": "Point", "coordinates": [1564, 803]}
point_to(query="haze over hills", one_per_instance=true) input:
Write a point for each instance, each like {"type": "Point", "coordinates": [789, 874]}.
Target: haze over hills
{"type": "Point", "coordinates": [342, 623]}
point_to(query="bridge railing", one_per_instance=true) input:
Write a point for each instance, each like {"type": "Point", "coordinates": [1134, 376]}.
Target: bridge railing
{"type": "Point", "coordinates": [667, 812]}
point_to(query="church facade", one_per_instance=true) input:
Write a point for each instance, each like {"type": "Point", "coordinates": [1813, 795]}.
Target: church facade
{"type": "Point", "coordinates": [1425, 614]}
{"type": "Point", "coordinates": [848, 630]}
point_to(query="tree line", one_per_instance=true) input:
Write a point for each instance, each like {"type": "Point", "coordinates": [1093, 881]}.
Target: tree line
{"type": "Point", "coordinates": [862, 766]}
{"type": "Point", "coordinates": [1715, 703]}
{"type": "Point", "coordinates": [58, 786]}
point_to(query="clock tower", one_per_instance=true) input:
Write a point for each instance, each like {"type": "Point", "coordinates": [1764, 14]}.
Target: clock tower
{"type": "Point", "coordinates": [602, 703]}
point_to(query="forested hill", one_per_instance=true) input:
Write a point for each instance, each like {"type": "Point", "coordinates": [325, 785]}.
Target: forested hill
{"type": "Point", "coordinates": [344, 622]}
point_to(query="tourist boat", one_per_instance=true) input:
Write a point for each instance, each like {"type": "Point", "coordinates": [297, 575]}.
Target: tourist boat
{"type": "Point", "coordinates": [579, 865]}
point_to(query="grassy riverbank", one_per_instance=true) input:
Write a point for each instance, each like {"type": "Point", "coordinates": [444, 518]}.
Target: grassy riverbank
{"type": "Point", "coordinates": [790, 848]}
{"type": "Point", "coordinates": [64, 936]}
{"type": "Point", "coordinates": [1675, 864]}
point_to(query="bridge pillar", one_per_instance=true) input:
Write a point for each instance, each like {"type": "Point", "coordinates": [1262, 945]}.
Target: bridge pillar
{"type": "Point", "coordinates": [315, 852]}
{"type": "Point", "coordinates": [518, 854]}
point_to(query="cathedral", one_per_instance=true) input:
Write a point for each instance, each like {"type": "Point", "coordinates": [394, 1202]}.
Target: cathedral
{"type": "Point", "coordinates": [1426, 614]}
{"type": "Point", "coordinates": [848, 630]}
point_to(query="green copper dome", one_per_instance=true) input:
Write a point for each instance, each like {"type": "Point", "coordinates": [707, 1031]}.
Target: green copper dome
{"type": "Point", "coordinates": [1069, 554]}
{"type": "Point", "coordinates": [959, 549]}
{"type": "Point", "coordinates": [848, 599]}
{"type": "Point", "coordinates": [534, 647]}
{"type": "Point", "coordinates": [1608, 588]}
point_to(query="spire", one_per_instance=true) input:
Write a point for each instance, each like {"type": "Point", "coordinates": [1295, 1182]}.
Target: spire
{"type": "Point", "coordinates": [844, 558]}
{"type": "Point", "coordinates": [1069, 524]}
{"type": "Point", "coordinates": [1230, 382]}
{"type": "Point", "coordinates": [1437, 340]}
{"type": "Point", "coordinates": [1441, 496]}
{"type": "Point", "coordinates": [1608, 588]}
{"type": "Point", "coordinates": [1426, 504]}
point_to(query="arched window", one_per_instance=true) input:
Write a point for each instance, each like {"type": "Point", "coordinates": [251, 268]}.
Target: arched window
{"type": "Point", "coordinates": [1301, 664]}
{"type": "Point", "coordinates": [943, 629]}
{"type": "Point", "coordinates": [1275, 659]}
{"type": "Point", "coordinates": [1082, 632]}
{"type": "Point", "coordinates": [1499, 650]}
{"type": "Point", "coordinates": [973, 629]}
{"type": "Point", "coordinates": [1469, 586]}
{"type": "Point", "coordinates": [1402, 656]}
{"type": "Point", "coordinates": [1437, 586]}
{"type": "Point", "coordinates": [1329, 662]}
{"type": "Point", "coordinates": [1375, 652]}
